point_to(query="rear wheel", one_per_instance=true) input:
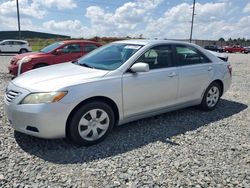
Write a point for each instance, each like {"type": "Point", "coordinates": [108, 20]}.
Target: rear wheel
{"type": "Point", "coordinates": [211, 97]}
{"type": "Point", "coordinates": [23, 51]}
{"type": "Point", "coordinates": [91, 123]}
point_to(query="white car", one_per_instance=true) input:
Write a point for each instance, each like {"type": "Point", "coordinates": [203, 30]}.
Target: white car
{"type": "Point", "coordinates": [115, 84]}
{"type": "Point", "coordinates": [19, 46]}
{"type": "Point", "coordinates": [223, 56]}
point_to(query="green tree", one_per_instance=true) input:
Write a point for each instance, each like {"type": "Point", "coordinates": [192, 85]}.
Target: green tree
{"type": "Point", "coordinates": [221, 39]}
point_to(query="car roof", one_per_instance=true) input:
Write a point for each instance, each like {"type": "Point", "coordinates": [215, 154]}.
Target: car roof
{"type": "Point", "coordinates": [151, 42]}
{"type": "Point", "coordinates": [14, 40]}
{"type": "Point", "coordinates": [78, 41]}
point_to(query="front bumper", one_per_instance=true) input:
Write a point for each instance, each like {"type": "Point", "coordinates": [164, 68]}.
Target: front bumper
{"type": "Point", "coordinates": [13, 69]}
{"type": "Point", "coordinates": [40, 120]}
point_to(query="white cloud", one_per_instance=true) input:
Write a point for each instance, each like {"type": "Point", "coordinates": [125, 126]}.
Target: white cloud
{"type": "Point", "coordinates": [222, 18]}
{"type": "Point", "coordinates": [209, 23]}
{"type": "Point", "coordinates": [247, 8]}
{"type": "Point", "coordinates": [60, 4]}
{"type": "Point", "coordinates": [69, 27]}
{"type": "Point", "coordinates": [123, 19]}
{"type": "Point", "coordinates": [27, 9]}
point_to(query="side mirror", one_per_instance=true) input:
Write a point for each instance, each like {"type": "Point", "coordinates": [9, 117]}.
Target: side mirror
{"type": "Point", "coordinates": [58, 52]}
{"type": "Point", "coordinates": [140, 67]}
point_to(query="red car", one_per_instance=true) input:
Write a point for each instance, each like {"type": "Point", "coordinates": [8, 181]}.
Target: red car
{"type": "Point", "coordinates": [233, 49]}
{"type": "Point", "coordinates": [58, 52]}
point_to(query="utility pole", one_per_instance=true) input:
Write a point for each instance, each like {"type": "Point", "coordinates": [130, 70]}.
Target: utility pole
{"type": "Point", "coordinates": [192, 23]}
{"type": "Point", "coordinates": [18, 19]}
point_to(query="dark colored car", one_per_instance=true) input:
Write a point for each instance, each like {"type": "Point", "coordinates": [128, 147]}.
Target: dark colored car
{"type": "Point", "coordinates": [58, 52]}
{"type": "Point", "coordinates": [214, 48]}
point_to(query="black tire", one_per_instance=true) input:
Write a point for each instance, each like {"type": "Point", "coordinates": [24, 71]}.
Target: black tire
{"type": "Point", "coordinates": [23, 51]}
{"type": "Point", "coordinates": [40, 65]}
{"type": "Point", "coordinates": [204, 104]}
{"type": "Point", "coordinates": [73, 130]}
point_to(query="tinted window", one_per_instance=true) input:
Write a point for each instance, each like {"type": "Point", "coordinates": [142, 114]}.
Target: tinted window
{"type": "Point", "coordinates": [89, 47]}
{"type": "Point", "coordinates": [158, 57]}
{"type": "Point", "coordinates": [72, 48]}
{"type": "Point", "coordinates": [8, 43]}
{"type": "Point", "coordinates": [18, 43]}
{"type": "Point", "coordinates": [188, 55]}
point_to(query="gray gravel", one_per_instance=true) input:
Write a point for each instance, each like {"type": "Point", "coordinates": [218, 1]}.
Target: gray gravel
{"type": "Point", "coordinates": [186, 148]}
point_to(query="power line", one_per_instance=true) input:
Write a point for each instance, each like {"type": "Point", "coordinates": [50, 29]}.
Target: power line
{"type": "Point", "coordinates": [18, 20]}
{"type": "Point", "coordinates": [192, 23]}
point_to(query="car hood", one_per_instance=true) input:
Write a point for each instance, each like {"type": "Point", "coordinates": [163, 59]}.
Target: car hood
{"type": "Point", "coordinates": [56, 77]}
{"type": "Point", "coordinates": [30, 54]}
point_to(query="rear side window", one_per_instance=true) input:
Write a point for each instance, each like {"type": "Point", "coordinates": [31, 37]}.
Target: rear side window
{"type": "Point", "coordinates": [158, 57]}
{"type": "Point", "coordinates": [188, 55]}
{"type": "Point", "coordinates": [18, 43]}
{"type": "Point", "coordinates": [89, 47]}
{"type": "Point", "coordinates": [72, 48]}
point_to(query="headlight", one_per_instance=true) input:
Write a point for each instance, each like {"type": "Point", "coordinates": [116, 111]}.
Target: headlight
{"type": "Point", "coordinates": [49, 97]}
{"type": "Point", "coordinates": [24, 60]}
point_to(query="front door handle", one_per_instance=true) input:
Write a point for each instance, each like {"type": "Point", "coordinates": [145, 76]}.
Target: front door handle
{"type": "Point", "coordinates": [172, 74]}
{"type": "Point", "coordinates": [210, 68]}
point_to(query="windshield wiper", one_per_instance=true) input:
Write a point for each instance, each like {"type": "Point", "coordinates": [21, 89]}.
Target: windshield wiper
{"type": "Point", "coordinates": [75, 62]}
{"type": "Point", "coordinates": [86, 65]}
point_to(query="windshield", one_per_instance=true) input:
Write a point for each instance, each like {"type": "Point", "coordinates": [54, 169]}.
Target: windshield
{"type": "Point", "coordinates": [109, 57]}
{"type": "Point", "coordinates": [51, 47]}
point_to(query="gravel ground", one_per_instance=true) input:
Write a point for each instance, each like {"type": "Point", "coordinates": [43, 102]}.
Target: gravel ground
{"type": "Point", "coordinates": [186, 148]}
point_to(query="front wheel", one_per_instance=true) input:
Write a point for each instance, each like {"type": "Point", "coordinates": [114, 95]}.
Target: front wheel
{"type": "Point", "coordinates": [91, 123]}
{"type": "Point", "coordinates": [211, 97]}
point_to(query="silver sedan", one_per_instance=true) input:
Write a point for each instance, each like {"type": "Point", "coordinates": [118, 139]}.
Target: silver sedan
{"type": "Point", "coordinates": [115, 84]}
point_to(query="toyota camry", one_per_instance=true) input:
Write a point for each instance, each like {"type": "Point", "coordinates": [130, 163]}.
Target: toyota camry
{"type": "Point", "coordinates": [118, 83]}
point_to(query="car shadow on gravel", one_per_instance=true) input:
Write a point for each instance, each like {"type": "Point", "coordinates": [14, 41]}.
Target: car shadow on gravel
{"type": "Point", "coordinates": [129, 136]}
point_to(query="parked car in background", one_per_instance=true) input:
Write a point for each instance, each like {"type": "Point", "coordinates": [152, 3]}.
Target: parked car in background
{"type": "Point", "coordinates": [58, 52]}
{"type": "Point", "coordinates": [115, 84]}
{"type": "Point", "coordinates": [247, 48]}
{"type": "Point", "coordinates": [223, 56]}
{"type": "Point", "coordinates": [214, 48]}
{"type": "Point", "coordinates": [19, 46]}
{"type": "Point", "coordinates": [234, 49]}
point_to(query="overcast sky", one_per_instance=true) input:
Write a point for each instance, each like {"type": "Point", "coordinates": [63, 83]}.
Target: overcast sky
{"type": "Point", "coordinates": [151, 18]}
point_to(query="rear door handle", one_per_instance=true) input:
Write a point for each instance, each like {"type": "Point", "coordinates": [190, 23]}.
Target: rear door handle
{"type": "Point", "coordinates": [172, 74]}
{"type": "Point", "coordinates": [210, 68]}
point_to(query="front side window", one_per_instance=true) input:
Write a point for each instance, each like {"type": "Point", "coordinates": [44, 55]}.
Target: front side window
{"type": "Point", "coordinates": [109, 57]}
{"type": "Point", "coordinates": [71, 48]}
{"type": "Point", "coordinates": [188, 55]}
{"type": "Point", "coordinates": [8, 43]}
{"type": "Point", "coordinates": [158, 57]}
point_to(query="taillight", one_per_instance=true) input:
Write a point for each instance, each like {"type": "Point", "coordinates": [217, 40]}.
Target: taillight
{"type": "Point", "coordinates": [230, 69]}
